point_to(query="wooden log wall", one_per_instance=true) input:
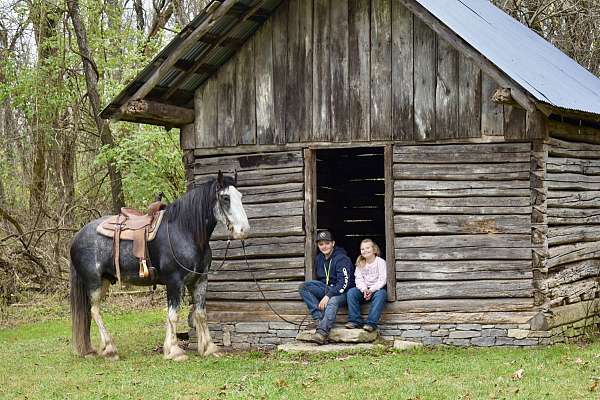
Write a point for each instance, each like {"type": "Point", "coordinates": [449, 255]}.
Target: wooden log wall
{"type": "Point", "coordinates": [462, 220]}
{"type": "Point", "coordinates": [571, 268]}
{"type": "Point", "coordinates": [272, 185]}
{"type": "Point", "coordinates": [347, 70]}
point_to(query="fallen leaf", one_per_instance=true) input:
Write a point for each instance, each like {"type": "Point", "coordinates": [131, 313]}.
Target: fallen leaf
{"type": "Point", "coordinates": [281, 383]}
{"type": "Point", "coordinates": [594, 386]}
{"type": "Point", "coordinates": [579, 361]}
{"type": "Point", "coordinates": [518, 374]}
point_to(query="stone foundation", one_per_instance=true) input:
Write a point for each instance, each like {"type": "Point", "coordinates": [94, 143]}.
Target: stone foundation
{"type": "Point", "coordinates": [267, 335]}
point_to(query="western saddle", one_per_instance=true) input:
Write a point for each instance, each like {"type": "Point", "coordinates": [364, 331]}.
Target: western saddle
{"type": "Point", "coordinates": [138, 227]}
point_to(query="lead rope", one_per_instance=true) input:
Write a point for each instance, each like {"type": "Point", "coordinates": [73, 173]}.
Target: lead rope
{"type": "Point", "coordinates": [263, 294]}
{"type": "Point", "coordinates": [194, 270]}
{"type": "Point", "coordinates": [249, 270]}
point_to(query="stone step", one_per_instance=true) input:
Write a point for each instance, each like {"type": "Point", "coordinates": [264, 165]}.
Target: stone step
{"type": "Point", "coordinates": [342, 335]}
{"type": "Point", "coordinates": [305, 347]}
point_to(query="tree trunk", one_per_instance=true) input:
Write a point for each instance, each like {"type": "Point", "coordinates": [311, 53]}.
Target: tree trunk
{"type": "Point", "coordinates": [91, 80]}
{"type": "Point", "coordinates": [45, 27]}
{"type": "Point", "coordinates": [139, 15]}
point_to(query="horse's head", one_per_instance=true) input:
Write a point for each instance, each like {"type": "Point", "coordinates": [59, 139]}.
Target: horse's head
{"type": "Point", "coordinates": [229, 209]}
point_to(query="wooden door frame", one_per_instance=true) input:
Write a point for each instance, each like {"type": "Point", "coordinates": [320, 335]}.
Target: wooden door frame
{"type": "Point", "coordinates": [310, 212]}
{"type": "Point", "coordinates": [310, 215]}
{"type": "Point", "coordinates": [390, 251]}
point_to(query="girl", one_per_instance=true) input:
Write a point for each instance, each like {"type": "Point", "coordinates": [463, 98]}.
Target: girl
{"type": "Point", "coordinates": [371, 277]}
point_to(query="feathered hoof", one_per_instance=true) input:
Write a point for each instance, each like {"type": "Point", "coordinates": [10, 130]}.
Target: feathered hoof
{"type": "Point", "coordinates": [176, 354]}
{"type": "Point", "coordinates": [110, 353]}
{"type": "Point", "coordinates": [91, 354]}
{"type": "Point", "coordinates": [211, 350]}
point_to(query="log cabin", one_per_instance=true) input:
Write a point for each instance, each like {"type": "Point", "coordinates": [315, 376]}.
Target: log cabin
{"type": "Point", "coordinates": [463, 143]}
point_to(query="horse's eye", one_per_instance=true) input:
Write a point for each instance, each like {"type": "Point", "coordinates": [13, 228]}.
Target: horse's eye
{"type": "Point", "coordinates": [226, 198]}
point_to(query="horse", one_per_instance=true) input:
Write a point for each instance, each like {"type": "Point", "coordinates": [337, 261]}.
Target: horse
{"type": "Point", "coordinates": [182, 257]}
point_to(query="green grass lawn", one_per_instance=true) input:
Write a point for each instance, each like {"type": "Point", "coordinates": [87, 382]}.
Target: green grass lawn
{"type": "Point", "coordinates": [36, 362]}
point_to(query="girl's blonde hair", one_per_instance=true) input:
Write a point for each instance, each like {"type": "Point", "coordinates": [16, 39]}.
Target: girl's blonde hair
{"type": "Point", "coordinates": [361, 261]}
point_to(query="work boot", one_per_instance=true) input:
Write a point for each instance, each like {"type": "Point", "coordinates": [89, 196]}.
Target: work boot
{"type": "Point", "coordinates": [352, 325]}
{"type": "Point", "coordinates": [312, 325]}
{"type": "Point", "coordinates": [319, 337]}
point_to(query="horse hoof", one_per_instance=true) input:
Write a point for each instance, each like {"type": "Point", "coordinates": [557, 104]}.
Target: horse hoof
{"type": "Point", "coordinates": [111, 356]}
{"type": "Point", "coordinates": [91, 354]}
{"type": "Point", "coordinates": [110, 353]}
{"type": "Point", "coordinates": [176, 354]}
{"type": "Point", "coordinates": [211, 349]}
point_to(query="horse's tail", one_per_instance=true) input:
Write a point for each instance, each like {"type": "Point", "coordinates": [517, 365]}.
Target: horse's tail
{"type": "Point", "coordinates": [80, 314]}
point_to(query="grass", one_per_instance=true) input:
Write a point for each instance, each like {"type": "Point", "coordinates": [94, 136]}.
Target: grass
{"type": "Point", "coordinates": [36, 362]}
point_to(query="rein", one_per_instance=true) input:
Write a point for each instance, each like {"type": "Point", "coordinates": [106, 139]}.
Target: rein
{"type": "Point", "coordinates": [263, 294]}
{"type": "Point", "coordinates": [193, 271]}
{"type": "Point", "coordinates": [226, 248]}
{"type": "Point", "coordinates": [250, 270]}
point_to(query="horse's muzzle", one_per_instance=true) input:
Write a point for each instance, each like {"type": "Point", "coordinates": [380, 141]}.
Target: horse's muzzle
{"type": "Point", "coordinates": [241, 233]}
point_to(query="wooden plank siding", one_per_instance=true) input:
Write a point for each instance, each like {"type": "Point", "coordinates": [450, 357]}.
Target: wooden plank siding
{"type": "Point", "coordinates": [462, 221]}
{"type": "Point", "coordinates": [570, 265]}
{"type": "Point", "coordinates": [272, 185]}
{"type": "Point", "coordinates": [349, 71]}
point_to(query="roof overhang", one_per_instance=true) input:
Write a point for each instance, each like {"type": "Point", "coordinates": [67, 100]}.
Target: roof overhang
{"type": "Point", "coordinates": [163, 93]}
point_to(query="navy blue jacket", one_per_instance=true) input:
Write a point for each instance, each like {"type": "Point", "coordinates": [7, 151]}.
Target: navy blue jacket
{"type": "Point", "coordinates": [341, 277]}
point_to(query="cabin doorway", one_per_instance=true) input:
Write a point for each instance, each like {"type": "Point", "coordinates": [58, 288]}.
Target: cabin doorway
{"type": "Point", "coordinates": [351, 196]}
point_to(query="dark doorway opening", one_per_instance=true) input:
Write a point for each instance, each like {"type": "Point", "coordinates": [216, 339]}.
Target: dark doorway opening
{"type": "Point", "coordinates": [351, 196]}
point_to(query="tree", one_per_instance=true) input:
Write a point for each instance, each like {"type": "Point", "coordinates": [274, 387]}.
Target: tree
{"type": "Point", "coordinates": [91, 80]}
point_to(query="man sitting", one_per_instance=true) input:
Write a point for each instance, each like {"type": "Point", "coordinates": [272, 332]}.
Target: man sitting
{"type": "Point", "coordinates": [335, 276]}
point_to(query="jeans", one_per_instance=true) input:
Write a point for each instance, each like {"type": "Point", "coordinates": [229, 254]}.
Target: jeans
{"type": "Point", "coordinates": [355, 299]}
{"type": "Point", "coordinates": [312, 292]}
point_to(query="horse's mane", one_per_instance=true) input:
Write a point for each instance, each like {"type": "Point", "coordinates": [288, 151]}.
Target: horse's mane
{"type": "Point", "coordinates": [193, 212]}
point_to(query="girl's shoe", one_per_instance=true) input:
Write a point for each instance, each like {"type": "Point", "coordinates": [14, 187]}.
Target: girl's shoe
{"type": "Point", "coordinates": [352, 325]}
{"type": "Point", "coordinates": [368, 328]}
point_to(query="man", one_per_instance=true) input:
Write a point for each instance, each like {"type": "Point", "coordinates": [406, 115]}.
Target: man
{"type": "Point", "coordinates": [335, 276]}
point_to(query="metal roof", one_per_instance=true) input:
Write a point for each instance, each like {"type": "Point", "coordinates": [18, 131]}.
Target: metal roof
{"type": "Point", "coordinates": [548, 74]}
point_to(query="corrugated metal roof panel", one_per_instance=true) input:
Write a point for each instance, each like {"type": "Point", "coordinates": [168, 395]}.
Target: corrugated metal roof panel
{"type": "Point", "coordinates": [195, 51]}
{"type": "Point", "coordinates": [540, 68]}
{"type": "Point", "coordinates": [192, 82]}
{"type": "Point", "coordinates": [218, 56]}
{"type": "Point", "coordinates": [168, 78]}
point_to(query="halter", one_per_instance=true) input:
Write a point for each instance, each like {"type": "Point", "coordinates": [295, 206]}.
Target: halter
{"type": "Point", "coordinates": [220, 204]}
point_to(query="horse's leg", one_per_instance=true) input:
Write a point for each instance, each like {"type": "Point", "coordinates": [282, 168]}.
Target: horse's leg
{"type": "Point", "coordinates": [171, 349]}
{"type": "Point", "coordinates": [107, 346]}
{"type": "Point", "coordinates": [205, 343]}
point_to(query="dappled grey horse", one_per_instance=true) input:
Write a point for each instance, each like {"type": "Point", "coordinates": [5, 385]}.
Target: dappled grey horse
{"type": "Point", "coordinates": [180, 252]}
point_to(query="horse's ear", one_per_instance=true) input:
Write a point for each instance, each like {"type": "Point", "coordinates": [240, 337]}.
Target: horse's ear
{"type": "Point", "coordinates": [220, 180]}
{"type": "Point", "coordinates": [235, 177]}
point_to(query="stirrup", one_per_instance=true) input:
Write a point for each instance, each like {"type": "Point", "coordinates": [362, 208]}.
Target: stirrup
{"type": "Point", "coordinates": [144, 273]}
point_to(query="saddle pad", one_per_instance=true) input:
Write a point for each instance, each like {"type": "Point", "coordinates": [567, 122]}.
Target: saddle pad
{"type": "Point", "coordinates": [128, 234]}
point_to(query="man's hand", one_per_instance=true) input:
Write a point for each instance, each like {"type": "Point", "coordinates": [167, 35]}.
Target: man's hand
{"type": "Point", "coordinates": [323, 303]}
{"type": "Point", "coordinates": [367, 294]}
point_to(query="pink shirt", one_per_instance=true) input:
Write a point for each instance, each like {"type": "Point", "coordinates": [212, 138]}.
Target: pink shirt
{"type": "Point", "coordinates": [372, 276]}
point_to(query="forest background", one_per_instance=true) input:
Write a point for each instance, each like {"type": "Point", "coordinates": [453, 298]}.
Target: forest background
{"type": "Point", "coordinates": [62, 61]}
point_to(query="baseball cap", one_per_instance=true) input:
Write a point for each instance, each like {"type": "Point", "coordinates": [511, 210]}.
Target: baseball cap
{"type": "Point", "coordinates": [324, 235]}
